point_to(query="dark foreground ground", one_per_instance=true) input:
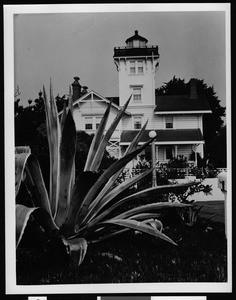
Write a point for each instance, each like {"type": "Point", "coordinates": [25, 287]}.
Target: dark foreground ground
{"type": "Point", "coordinates": [201, 256]}
{"type": "Point", "coordinates": [213, 210]}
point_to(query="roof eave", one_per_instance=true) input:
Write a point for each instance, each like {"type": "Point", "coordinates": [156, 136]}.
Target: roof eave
{"type": "Point", "coordinates": [167, 143]}
{"type": "Point", "coordinates": [81, 99]}
{"type": "Point", "coordinates": [182, 112]}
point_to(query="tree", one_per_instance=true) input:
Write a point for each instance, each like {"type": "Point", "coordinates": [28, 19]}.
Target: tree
{"type": "Point", "coordinates": [219, 149]}
{"type": "Point", "coordinates": [30, 128]}
{"type": "Point", "coordinates": [212, 123]}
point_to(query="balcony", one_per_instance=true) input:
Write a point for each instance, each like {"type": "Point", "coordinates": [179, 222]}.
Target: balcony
{"type": "Point", "coordinates": [137, 51]}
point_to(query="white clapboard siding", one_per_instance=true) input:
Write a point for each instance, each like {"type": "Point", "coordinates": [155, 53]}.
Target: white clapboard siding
{"type": "Point", "coordinates": [185, 150]}
{"type": "Point", "coordinates": [127, 123]}
{"type": "Point", "coordinates": [158, 122]}
{"type": "Point", "coordinates": [186, 121]}
{"type": "Point", "coordinates": [94, 108]}
{"type": "Point", "coordinates": [146, 113]}
{"type": "Point", "coordinates": [146, 80]}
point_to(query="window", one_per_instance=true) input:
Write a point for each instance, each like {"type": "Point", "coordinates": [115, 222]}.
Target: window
{"type": "Point", "coordinates": [97, 122]}
{"type": "Point", "coordinates": [132, 67]}
{"type": "Point", "coordinates": [130, 44]}
{"type": "Point", "coordinates": [136, 67]}
{"type": "Point", "coordinates": [142, 44]}
{"type": "Point", "coordinates": [169, 153]}
{"type": "Point", "coordinates": [137, 93]}
{"type": "Point", "coordinates": [137, 122]}
{"type": "Point", "coordinates": [140, 67]}
{"type": "Point", "coordinates": [92, 123]}
{"type": "Point", "coordinates": [88, 123]}
{"type": "Point", "coordinates": [169, 122]}
{"type": "Point", "coordinates": [136, 43]}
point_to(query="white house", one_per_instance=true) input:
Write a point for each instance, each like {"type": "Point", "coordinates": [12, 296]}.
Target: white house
{"type": "Point", "coordinates": [177, 120]}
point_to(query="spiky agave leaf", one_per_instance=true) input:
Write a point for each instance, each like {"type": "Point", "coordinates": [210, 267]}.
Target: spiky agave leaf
{"type": "Point", "coordinates": [149, 207]}
{"type": "Point", "coordinates": [67, 156]}
{"type": "Point", "coordinates": [20, 162]}
{"type": "Point", "coordinates": [77, 250]}
{"type": "Point", "coordinates": [53, 135]}
{"type": "Point", "coordinates": [136, 140]}
{"type": "Point", "coordinates": [139, 195]}
{"type": "Point", "coordinates": [97, 139]}
{"type": "Point", "coordinates": [130, 148]}
{"type": "Point", "coordinates": [29, 165]}
{"type": "Point", "coordinates": [101, 201]}
{"type": "Point", "coordinates": [70, 102]}
{"type": "Point", "coordinates": [103, 179]}
{"type": "Point", "coordinates": [100, 151]}
{"type": "Point", "coordinates": [63, 117]}
{"type": "Point", "coordinates": [23, 215]}
{"type": "Point", "coordinates": [140, 226]}
{"type": "Point", "coordinates": [103, 233]}
{"type": "Point", "coordinates": [85, 181]}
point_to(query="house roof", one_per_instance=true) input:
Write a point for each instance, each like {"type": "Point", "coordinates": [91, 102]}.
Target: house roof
{"type": "Point", "coordinates": [115, 100]}
{"type": "Point", "coordinates": [179, 103]}
{"type": "Point", "coordinates": [95, 96]}
{"type": "Point", "coordinates": [165, 136]}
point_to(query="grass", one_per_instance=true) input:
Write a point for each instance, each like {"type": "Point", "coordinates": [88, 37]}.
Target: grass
{"type": "Point", "coordinates": [201, 256]}
{"type": "Point", "coordinates": [212, 209]}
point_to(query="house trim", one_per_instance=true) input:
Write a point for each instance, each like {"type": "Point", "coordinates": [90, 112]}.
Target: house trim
{"type": "Point", "coordinates": [183, 112]}
{"type": "Point", "coordinates": [103, 99]}
{"type": "Point", "coordinates": [167, 143]}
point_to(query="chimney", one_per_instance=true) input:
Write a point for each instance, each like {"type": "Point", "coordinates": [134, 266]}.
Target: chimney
{"type": "Point", "coordinates": [85, 90]}
{"type": "Point", "coordinates": [76, 89]}
{"type": "Point", "coordinates": [193, 88]}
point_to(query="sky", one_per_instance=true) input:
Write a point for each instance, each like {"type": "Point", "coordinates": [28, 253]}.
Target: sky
{"type": "Point", "coordinates": [63, 45]}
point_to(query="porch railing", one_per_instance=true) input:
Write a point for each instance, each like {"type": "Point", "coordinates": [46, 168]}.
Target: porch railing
{"type": "Point", "coordinates": [177, 173]}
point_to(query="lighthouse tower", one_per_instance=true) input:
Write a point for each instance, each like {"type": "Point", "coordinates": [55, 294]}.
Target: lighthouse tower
{"type": "Point", "coordinates": [137, 63]}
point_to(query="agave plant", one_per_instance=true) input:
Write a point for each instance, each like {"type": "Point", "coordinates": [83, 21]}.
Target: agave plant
{"type": "Point", "coordinates": [79, 211]}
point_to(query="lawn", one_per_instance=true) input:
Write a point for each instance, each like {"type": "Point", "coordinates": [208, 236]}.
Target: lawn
{"type": "Point", "coordinates": [213, 210]}
{"type": "Point", "coordinates": [201, 256]}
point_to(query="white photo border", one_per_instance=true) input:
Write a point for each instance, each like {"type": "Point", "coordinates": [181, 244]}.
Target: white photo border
{"type": "Point", "coordinates": [141, 288]}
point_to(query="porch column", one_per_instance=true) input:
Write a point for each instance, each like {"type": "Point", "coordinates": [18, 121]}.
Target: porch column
{"type": "Point", "coordinates": [176, 152]}
{"type": "Point", "coordinates": [195, 152]}
{"type": "Point", "coordinates": [157, 158]}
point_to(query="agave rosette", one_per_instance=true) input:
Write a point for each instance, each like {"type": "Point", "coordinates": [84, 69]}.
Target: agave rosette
{"type": "Point", "coordinates": [79, 210]}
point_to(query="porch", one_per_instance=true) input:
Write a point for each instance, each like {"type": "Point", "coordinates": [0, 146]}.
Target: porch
{"type": "Point", "coordinates": [169, 144]}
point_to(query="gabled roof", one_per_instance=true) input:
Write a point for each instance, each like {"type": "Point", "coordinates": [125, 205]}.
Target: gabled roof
{"type": "Point", "coordinates": [165, 136]}
{"type": "Point", "coordinates": [92, 95]}
{"type": "Point", "coordinates": [181, 103]}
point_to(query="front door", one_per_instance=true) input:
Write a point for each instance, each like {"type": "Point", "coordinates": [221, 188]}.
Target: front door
{"type": "Point", "coordinates": [168, 152]}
